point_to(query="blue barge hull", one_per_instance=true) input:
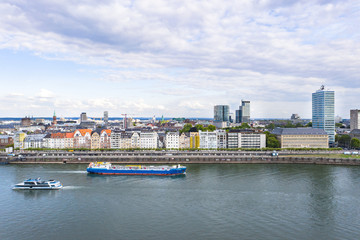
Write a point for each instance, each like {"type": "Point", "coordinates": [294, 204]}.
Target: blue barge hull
{"type": "Point", "coordinates": [177, 171]}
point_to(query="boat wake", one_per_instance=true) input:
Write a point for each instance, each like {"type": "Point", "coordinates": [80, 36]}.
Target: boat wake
{"type": "Point", "coordinates": [72, 187]}
{"type": "Point", "coordinates": [82, 172]}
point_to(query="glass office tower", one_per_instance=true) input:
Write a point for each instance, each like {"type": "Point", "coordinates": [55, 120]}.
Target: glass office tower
{"type": "Point", "coordinates": [221, 113]}
{"type": "Point", "coordinates": [243, 114]}
{"type": "Point", "coordinates": [323, 112]}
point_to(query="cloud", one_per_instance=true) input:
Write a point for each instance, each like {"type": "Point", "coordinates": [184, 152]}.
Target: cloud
{"type": "Point", "coordinates": [45, 94]}
{"type": "Point", "coordinates": [265, 51]}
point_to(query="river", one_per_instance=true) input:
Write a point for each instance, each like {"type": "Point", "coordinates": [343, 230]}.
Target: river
{"type": "Point", "coordinates": [213, 201]}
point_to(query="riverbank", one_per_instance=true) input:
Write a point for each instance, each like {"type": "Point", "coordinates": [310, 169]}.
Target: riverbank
{"type": "Point", "coordinates": [180, 157]}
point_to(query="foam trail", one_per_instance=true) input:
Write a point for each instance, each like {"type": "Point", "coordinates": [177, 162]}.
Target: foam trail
{"type": "Point", "coordinates": [72, 187]}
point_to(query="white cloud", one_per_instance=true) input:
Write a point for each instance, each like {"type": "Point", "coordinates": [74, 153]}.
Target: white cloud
{"type": "Point", "coordinates": [273, 52]}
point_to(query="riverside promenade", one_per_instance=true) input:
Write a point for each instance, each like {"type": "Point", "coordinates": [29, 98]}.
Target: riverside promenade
{"type": "Point", "coordinates": [182, 157]}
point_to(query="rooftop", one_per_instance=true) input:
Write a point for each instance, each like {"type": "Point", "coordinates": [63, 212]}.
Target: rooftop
{"type": "Point", "coordinates": [298, 131]}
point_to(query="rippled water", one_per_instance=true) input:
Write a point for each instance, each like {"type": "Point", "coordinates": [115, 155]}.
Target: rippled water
{"type": "Point", "coordinates": [210, 202]}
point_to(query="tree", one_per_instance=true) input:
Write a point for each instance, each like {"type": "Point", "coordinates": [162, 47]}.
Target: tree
{"type": "Point", "coordinates": [211, 128]}
{"type": "Point", "coordinates": [199, 127]}
{"type": "Point", "coordinates": [289, 125]}
{"type": "Point", "coordinates": [270, 126]}
{"type": "Point", "coordinates": [245, 125]}
{"type": "Point", "coordinates": [271, 140]}
{"type": "Point", "coordinates": [309, 124]}
{"type": "Point", "coordinates": [186, 128]}
{"type": "Point", "coordinates": [344, 141]}
{"type": "Point", "coordinates": [337, 138]}
{"type": "Point", "coordinates": [339, 125]}
{"type": "Point", "coordinates": [355, 143]}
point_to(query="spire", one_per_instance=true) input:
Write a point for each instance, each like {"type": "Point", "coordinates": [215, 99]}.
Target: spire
{"type": "Point", "coordinates": [54, 114]}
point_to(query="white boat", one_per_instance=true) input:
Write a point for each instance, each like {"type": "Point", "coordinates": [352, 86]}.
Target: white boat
{"type": "Point", "coordinates": [38, 184]}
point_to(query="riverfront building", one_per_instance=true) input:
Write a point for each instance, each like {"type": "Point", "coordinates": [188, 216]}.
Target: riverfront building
{"type": "Point", "coordinates": [184, 140]}
{"type": "Point", "coordinates": [354, 119]}
{"type": "Point", "coordinates": [238, 139]}
{"type": "Point", "coordinates": [34, 141]}
{"type": "Point", "coordinates": [172, 140]}
{"type": "Point", "coordinates": [302, 137]}
{"type": "Point", "coordinates": [6, 140]}
{"type": "Point", "coordinates": [323, 112]}
{"type": "Point", "coordinates": [194, 140]}
{"type": "Point", "coordinates": [19, 140]}
{"type": "Point", "coordinates": [208, 140]}
{"type": "Point", "coordinates": [82, 138]}
{"type": "Point", "coordinates": [149, 140]}
{"type": "Point", "coordinates": [221, 138]}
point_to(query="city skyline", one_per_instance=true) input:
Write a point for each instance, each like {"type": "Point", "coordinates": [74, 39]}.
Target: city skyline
{"type": "Point", "coordinates": [177, 59]}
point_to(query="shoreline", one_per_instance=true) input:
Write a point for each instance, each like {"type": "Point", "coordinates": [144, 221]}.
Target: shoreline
{"type": "Point", "coordinates": [178, 157]}
{"type": "Point", "coordinates": [248, 160]}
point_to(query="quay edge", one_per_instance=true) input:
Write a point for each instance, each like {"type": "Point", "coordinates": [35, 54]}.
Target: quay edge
{"type": "Point", "coordinates": [215, 157]}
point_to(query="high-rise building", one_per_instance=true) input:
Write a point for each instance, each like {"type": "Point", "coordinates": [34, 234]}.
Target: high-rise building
{"type": "Point", "coordinates": [221, 113]}
{"type": "Point", "coordinates": [243, 114]}
{"type": "Point", "coordinates": [354, 119]}
{"type": "Point", "coordinates": [83, 117]}
{"type": "Point", "coordinates": [106, 117]}
{"type": "Point", "coordinates": [323, 112]}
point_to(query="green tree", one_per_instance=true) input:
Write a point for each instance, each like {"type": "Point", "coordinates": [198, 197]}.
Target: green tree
{"type": "Point", "coordinates": [270, 126]}
{"type": "Point", "coordinates": [271, 140]}
{"type": "Point", "coordinates": [245, 125]}
{"type": "Point", "coordinates": [337, 138]}
{"type": "Point", "coordinates": [211, 128]}
{"type": "Point", "coordinates": [199, 127]}
{"type": "Point", "coordinates": [344, 141]}
{"type": "Point", "coordinates": [289, 125]}
{"type": "Point", "coordinates": [355, 143]}
{"type": "Point", "coordinates": [339, 125]}
{"type": "Point", "coordinates": [309, 124]}
{"type": "Point", "coordinates": [186, 128]}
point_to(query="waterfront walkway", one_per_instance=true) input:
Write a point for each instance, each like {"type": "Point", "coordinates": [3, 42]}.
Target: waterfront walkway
{"type": "Point", "coordinates": [183, 157]}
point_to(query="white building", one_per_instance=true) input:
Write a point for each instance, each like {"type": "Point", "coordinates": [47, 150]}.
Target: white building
{"type": "Point", "coordinates": [246, 140]}
{"type": "Point", "coordinates": [115, 139]}
{"type": "Point", "coordinates": [172, 140]}
{"type": "Point", "coordinates": [221, 139]}
{"type": "Point", "coordinates": [252, 140]}
{"type": "Point", "coordinates": [208, 140]}
{"type": "Point", "coordinates": [149, 140]}
{"type": "Point", "coordinates": [233, 140]}
{"type": "Point", "coordinates": [34, 141]}
{"type": "Point", "coordinates": [135, 140]}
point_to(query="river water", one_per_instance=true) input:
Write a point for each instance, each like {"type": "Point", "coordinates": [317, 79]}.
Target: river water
{"type": "Point", "coordinates": [211, 202]}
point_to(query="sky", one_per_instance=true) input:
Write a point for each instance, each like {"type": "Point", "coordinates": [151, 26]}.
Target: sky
{"type": "Point", "coordinates": [177, 58]}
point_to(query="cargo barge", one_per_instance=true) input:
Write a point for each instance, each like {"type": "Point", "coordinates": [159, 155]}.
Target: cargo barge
{"type": "Point", "coordinates": [106, 168]}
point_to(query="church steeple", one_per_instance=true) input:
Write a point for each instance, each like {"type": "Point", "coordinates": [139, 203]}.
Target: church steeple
{"type": "Point", "coordinates": [54, 119]}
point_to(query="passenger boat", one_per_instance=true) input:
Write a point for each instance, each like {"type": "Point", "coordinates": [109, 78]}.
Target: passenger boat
{"type": "Point", "coordinates": [107, 169]}
{"type": "Point", "coordinates": [38, 184]}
